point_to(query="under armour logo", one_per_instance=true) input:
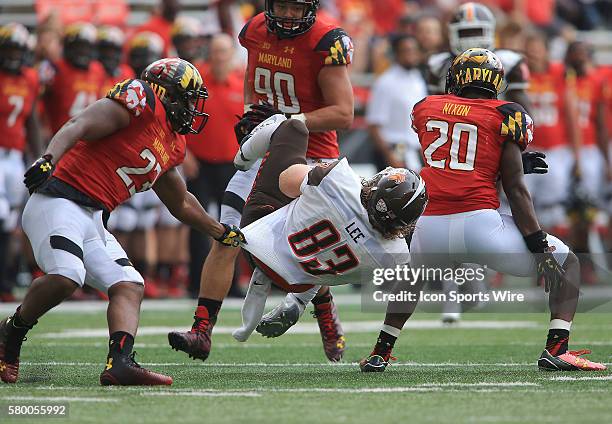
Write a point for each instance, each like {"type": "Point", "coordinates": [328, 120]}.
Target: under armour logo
{"type": "Point", "coordinates": [45, 167]}
{"type": "Point", "coordinates": [288, 49]}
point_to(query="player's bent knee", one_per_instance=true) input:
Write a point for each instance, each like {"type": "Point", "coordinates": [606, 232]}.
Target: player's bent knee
{"type": "Point", "coordinates": [62, 283]}
{"type": "Point", "coordinates": [571, 262]}
{"type": "Point", "coordinates": [291, 128]}
{"type": "Point", "coordinates": [132, 289]}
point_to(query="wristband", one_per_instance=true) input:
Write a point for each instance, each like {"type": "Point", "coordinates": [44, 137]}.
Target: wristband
{"type": "Point", "coordinates": [536, 242]}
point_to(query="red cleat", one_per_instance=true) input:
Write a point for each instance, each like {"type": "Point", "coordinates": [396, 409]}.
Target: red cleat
{"type": "Point", "coordinates": [123, 370]}
{"type": "Point", "coordinates": [197, 341]}
{"type": "Point", "coordinates": [11, 338]}
{"type": "Point", "coordinates": [332, 334]}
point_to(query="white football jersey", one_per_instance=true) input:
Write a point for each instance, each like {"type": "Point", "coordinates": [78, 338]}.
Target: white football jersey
{"type": "Point", "coordinates": [324, 237]}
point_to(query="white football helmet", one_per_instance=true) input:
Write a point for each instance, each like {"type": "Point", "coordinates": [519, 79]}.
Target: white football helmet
{"type": "Point", "coordinates": [472, 26]}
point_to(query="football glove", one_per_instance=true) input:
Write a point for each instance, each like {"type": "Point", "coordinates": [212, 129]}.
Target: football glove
{"type": "Point", "coordinates": [547, 267]}
{"type": "Point", "coordinates": [534, 163]}
{"type": "Point", "coordinates": [38, 173]}
{"type": "Point", "coordinates": [252, 118]}
{"type": "Point", "coordinates": [232, 236]}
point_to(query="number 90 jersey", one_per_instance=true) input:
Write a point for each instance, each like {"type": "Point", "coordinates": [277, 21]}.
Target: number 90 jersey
{"type": "Point", "coordinates": [114, 168]}
{"type": "Point", "coordinates": [324, 236]}
{"type": "Point", "coordinates": [462, 141]}
{"type": "Point", "coordinates": [285, 71]}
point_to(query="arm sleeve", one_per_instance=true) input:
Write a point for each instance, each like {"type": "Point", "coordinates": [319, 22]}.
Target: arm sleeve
{"type": "Point", "coordinates": [516, 125]}
{"type": "Point", "coordinates": [336, 48]}
{"type": "Point", "coordinates": [134, 95]}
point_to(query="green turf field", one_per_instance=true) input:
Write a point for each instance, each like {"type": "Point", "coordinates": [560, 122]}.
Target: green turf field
{"type": "Point", "coordinates": [474, 374]}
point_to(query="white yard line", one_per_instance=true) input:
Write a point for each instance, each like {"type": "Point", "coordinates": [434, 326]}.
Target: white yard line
{"type": "Point", "coordinates": [59, 399]}
{"type": "Point", "coordinates": [305, 328]}
{"type": "Point", "coordinates": [290, 365]}
{"type": "Point", "coordinates": [589, 378]}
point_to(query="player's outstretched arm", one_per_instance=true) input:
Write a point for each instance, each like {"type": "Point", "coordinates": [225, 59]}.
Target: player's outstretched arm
{"type": "Point", "coordinates": [338, 97]}
{"type": "Point", "coordinates": [172, 191]}
{"type": "Point", "coordinates": [97, 121]}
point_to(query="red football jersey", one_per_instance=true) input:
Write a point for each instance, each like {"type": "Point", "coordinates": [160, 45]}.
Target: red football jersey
{"type": "Point", "coordinates": [284, 71]}
{"type": "Point", "coordinates": [589, 91]}
{"type": "Point", "coordinates": [71, 90]}
{"type": "Point", "coordinates": [123, 72]}
{"type": "Point", "coordinates": [18, 94]}
{"type": "Point", "coordinates": [114, 168]}
{"type": "Point", "coordinates": [462, 142]}
{"type": "Point", "coordinates": [547, 94]}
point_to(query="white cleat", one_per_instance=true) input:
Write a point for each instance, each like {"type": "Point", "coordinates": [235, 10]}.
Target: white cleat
{"type": "Point", "coordinates": [255, 145]}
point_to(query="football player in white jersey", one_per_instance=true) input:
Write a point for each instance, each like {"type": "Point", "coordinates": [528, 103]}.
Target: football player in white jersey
{"type": "Point", "coordinates": [312, 226]}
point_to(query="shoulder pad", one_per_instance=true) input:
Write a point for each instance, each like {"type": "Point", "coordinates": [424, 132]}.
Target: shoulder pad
{"type": "Point", "coordinates": [134, 94]}
{"type": "Point", "coordinates": [509, 59]}
{"type": "Point", "coordinates": [436, 62]}
{"type": "Point", "coordinates": [337, 47]}
{"type": "Point", "coordinates": [516, 124]}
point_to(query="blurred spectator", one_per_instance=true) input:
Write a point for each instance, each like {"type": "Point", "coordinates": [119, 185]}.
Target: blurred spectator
{"type": "Point", "coordinates": [18, 126]}
{"type": "Point", "coordinates": [428, 32]}
{"type": "Point", "coordinates": [73, 82]}
{"type": "Point", "coordinates": [388, 113]}
{"type": "Point", "coordinates": [511, 36]}
{"type": "Point", "coordinates": [209, 166]}
{"type": "Point", "coordinates": [556, 134]}
{"type": "Point", "coordinates": [110, 54]}
{"type": "Point", "coordinates": [161, 22]}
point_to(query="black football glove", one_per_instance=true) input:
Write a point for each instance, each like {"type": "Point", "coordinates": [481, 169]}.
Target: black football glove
{"type": "Point", "coordinates": [38, 173]}
{"type": "Point", "coordinates": [232, 236]}
{"type": "Point", "coordinates": [249, 120]}
{"type": "Point", "coordinates": [534, 163]}
{"type": "Point", "coordinates": [547, 267]}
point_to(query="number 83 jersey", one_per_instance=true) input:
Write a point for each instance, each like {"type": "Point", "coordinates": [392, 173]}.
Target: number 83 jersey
{"type": "Point", "coordinates": [284, 71]}
{"type": "Point", "coordinates": [462, 141]}
{"type": "Point", "coordinates": [324, 236]}
{"type": "Point", "coordinates": [114, 168]}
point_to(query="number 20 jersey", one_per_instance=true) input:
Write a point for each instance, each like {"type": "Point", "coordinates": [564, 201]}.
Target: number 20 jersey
{"type": "Point", "coordinates": [462, 141]}
{"type": "Point", "coordinates": [285, 71]}
{"type": "Point", "coordinates": [114, 168]}
{"type": "Point", "coordinates": [324, 236]}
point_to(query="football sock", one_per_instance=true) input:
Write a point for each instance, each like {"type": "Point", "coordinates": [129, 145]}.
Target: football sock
{"type": "Point", "coordinates": [324, 298]}
{"type": "Point", "coordinates": [256, 146]}
{"type": "Point", "coordinates": [120, 343]}
{"type": "Point", "coordinates": [386, 339]}
{"type": "Point", "coordinates": [210, 305]}
{"type": "Point", "coordinates": [558, 337]}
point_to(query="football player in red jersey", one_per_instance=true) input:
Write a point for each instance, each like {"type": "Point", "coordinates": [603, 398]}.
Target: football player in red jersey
{"type": "Point", "coordinates": [18, 125]}
{"type": "Point", "coordinates": [297, 62]}
{"type": "Point", "coordinates": [133, 222]}
{"type": "Point", "coordinates": [73, 83]}
{"type": "Point", "coordinates": [468, 138]}
{"type": "Point", "coordinates": [556, 134]}
{"type": "Point", "coordinates": [131, 141]}
{"type": "Point", "coordinates": [110, 54]}
{"type": "Point", "coordinates": [593, 164]}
